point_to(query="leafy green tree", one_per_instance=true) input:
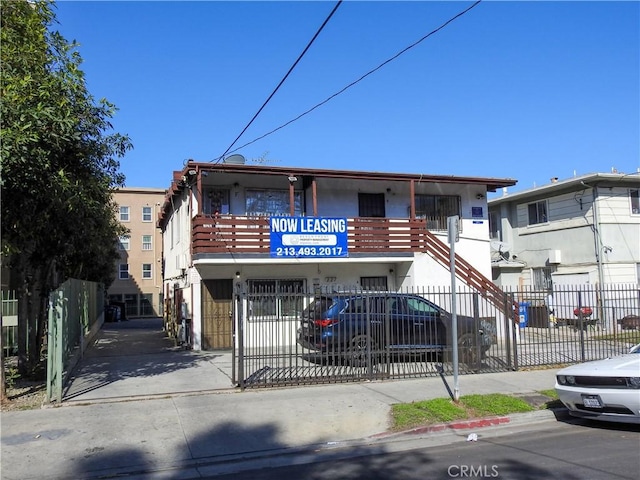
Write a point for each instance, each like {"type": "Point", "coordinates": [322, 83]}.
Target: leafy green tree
{"type": "Point", "coordinates": [59, 167]}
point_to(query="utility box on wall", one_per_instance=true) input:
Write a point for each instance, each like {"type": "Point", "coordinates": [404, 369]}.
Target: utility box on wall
{"type": "Point", "coordinates": [555, 256]}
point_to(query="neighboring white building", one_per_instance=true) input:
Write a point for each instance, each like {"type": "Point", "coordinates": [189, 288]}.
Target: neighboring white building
{"type": "Point", "coordinates": [583, 230]}
{"type": "Point", "coordinates": [217, 236]}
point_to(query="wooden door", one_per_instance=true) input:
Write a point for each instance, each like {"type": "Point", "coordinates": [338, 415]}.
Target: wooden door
{"type": "Point", "coordinates": [217, 314]}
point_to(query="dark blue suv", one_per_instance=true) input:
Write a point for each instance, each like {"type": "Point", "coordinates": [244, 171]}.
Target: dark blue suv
{"type": "Point", "coordinates": [362, 327]}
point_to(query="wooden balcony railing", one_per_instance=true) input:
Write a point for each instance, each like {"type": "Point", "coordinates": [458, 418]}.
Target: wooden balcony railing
{"type": "Point", "coordinates": [241, 234]}
{"type": "Point", "coordinates": [233, 235]}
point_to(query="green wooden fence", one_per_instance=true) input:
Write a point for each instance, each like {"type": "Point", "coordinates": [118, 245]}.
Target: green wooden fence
{"type": "Point", "coordinates": [76, 314]}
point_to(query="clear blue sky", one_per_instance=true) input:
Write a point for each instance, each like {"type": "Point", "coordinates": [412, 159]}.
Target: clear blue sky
{"type": "Point", "coordinates": [523, 90]}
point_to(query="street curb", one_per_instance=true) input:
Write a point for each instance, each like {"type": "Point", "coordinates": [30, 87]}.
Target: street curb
{"type": "Point", "coordinates": [516, 418]}
{"type": "Point", "coordinates": [233, 463]}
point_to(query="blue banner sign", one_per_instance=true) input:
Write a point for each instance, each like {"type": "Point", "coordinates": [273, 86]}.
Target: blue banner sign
{"type": "Point", "coordinates": [310, 237]}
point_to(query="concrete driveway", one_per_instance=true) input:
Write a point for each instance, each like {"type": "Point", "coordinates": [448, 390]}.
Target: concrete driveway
{"type": "Point", "coordinates": [135, 358]}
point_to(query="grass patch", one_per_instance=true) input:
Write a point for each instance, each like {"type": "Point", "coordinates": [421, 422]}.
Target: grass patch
{"type": "Point", "coordinates": [495, 404]}
{"type": "Point", "coordinates": [553, 402]}
{"type": "Point", "coordinates": [427, 412]}
{"type": "Point", "coordinates": [443, 410]}
{"type": "Point", "coordinates": [629, 336]}
{"type": "Point", "coordinates": [550, 392]}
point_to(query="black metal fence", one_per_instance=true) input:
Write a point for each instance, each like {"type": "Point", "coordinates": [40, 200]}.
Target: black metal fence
{"type": "Point", "coordinates": [295, 338]}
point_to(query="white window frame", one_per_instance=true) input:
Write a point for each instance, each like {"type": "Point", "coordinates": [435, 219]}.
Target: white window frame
{"type": "Point", "coordinates": [123, 271]}
{"type": "Point", "coordinates": [271, 303]}
{"type": "Point", "coordinates": [634, 201]}
{"type": "Point", "coordinates": [147, 246]}
{"type": "Point", "coordinates": [124, 213]}
{"type": "Point", "coordinates": [147, 214]}
{"type": "Point", "coordinates": [545, 214]}
{"type": "Point", "coordinates": [147, 273]}
{"type": "Point", "coordinates": [125, 243]}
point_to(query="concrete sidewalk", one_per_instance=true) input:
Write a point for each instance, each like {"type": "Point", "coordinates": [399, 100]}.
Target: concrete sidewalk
{"type": "Point", "coordinates": [113, 425]}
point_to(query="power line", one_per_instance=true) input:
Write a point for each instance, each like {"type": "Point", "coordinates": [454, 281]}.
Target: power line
{"type": "Point", "coordinates": [283, 79]}
{"type": "Point", "coordinates": [358, 80]}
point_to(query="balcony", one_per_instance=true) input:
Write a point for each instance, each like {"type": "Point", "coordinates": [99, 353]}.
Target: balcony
{"type": "Point", "coordinates": [231, 234]}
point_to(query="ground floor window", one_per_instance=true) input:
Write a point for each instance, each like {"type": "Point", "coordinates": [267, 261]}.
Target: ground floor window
{"type": "Point", "coordinates": [272, 300]}
{"type": "Point", "coordinates": [374, 283]}
{"type": "Point", "coordinates": [542, 279]}
{"type": "Point", "coordinates": [136, 305]}
{"type": "Point", "coordinates": [146, 304]}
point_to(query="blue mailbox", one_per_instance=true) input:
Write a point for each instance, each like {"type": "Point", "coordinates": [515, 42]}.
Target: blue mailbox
{"type": "Point", "coordinates": [523, 313]}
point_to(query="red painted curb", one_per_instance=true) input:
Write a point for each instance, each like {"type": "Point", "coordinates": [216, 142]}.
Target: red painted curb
{"type": "Point", "coordinates": [460, 425]}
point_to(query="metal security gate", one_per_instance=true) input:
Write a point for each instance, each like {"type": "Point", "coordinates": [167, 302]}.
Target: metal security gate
{"type": "Point", "coordinates": [576, 323]}
{"type": "Point", "coordinates": [390, 344]}
{"type": "Point", "coordinates": [269, 351]}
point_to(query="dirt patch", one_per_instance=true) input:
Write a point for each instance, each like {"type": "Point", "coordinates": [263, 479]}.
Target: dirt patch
{"type": "Point", "coordinates": [25, 395]}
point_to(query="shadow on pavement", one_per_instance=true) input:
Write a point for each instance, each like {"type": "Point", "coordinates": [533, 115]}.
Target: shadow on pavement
{"type": "Point", "coordinates": [136, 358]}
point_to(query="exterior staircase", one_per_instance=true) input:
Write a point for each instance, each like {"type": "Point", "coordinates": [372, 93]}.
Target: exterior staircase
{"type": "Point", "coordinates": [464, 271]}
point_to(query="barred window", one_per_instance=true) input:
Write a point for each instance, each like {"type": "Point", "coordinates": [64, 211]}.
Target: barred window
{"type": "Point", "coordinates": [273, 300]}
{"type": "Point", "coordinates": [217, 202]}
{"type": "Point", "coordinates": [270, 203]}
{"type": "Point", "coordinates": [374, 283]}
{"type": "Point", "coordinates": [542, 279]}
{"type": "Point", "coordinates": [436, 209]}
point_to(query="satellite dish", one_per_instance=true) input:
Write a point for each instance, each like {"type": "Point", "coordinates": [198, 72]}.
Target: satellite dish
{"type": "Point", "coordinates": [500, 247]}
{"type": "Point", "coordinates": [235, 159]}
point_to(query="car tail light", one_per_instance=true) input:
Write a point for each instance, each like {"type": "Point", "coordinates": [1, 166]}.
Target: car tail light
{"type": "Point", "coordinates": [325, 322]}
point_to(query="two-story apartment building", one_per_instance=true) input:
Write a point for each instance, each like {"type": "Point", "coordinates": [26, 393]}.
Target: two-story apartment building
{"type": "Point", "coordinates": [261, 228]}
{"type": "Point", "coordinates": [138, 276]}
{"type": "Point", "coordinates": [583, 230]}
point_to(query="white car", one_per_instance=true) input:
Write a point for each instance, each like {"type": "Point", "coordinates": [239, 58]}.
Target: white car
{"type": "Point", "coordinates": [606, 389]}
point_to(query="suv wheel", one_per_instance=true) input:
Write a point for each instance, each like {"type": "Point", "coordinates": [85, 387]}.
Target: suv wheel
{"type": "Point", "coordinates": [468, 352]}
{"type": "Point", "coordinates": [358, 350]}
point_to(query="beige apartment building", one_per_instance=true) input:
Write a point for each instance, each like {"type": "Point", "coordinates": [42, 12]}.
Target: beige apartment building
{"type": "Point", "coordinates": [138, 276]}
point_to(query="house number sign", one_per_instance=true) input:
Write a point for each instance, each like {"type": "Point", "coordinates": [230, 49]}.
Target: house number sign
{"type": "Point", "coordinates": [308, 237]}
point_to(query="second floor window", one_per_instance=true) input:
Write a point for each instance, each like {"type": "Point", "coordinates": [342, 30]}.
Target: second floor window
{"type": "Point", "coordinates": [635, 201]}
{"type": "Point", "coordinates": [537, 212]}
{"type": "Point", "coordinates": [272, 203]}
{"type": "Point", "coordinates": [146, 242]}
{"type": "Point", "coordinates": [217, 202]}
{"type": "Point", "coordinates": [123, 272]}
{"type": "Point", "coordinates": [125, 242]}
{"type": "Point", "coordinates": [124, 213]}
{"type": "Point", "coordinates": [146, 270]}
{"type": "Point", "coordinates": [146, 214]}
{"type": "Point", "coordinates": [435, 209]}
{"type": "Point", "coordinates": [494, 230]}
